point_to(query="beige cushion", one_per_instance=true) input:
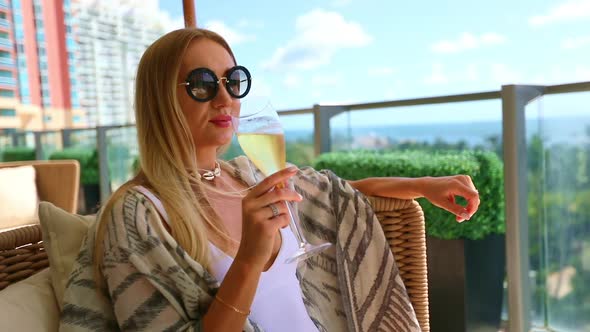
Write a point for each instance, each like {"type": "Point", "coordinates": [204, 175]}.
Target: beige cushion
{"type": "Point", "coordinates": [18, 194]}
{"type": "Point", "coordinates": [29, 305]}
{"type": "Point", "coordinates": [63, 233]}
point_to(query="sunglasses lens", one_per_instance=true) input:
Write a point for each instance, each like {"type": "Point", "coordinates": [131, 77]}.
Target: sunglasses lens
{"type": "Point", "coordinates": [238, 82]}
{"type": "Point", "coordinates": [202, 85]}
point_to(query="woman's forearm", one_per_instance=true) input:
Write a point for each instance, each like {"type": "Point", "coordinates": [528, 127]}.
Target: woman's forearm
{"type": "Point", "coordinates": [237, 290]}
{"type": "Point", "coordinates": [403, 188]}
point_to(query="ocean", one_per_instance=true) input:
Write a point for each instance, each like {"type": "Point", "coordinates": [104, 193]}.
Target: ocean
{"type": "Point", "coordinates": [572, 130]}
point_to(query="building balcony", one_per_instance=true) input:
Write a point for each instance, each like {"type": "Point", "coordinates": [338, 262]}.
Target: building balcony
{"type": "Point", "coordinates": [4, 5]}
{"type": "Point", "coordinates": [10, 81]}
{"type": "Point", "coordinates": [7, 62]}
{"type": "Point", "coordinates": [5, 42]}
{"type": "Point", "coordinates": [4, 23]}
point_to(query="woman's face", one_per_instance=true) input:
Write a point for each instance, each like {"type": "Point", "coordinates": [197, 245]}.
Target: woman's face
{"type": "Point", "coordinates": [210, 121]}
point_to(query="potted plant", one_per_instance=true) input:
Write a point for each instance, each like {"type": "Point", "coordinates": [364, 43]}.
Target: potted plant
{"type": "Point", "coordinates": [466, 261]}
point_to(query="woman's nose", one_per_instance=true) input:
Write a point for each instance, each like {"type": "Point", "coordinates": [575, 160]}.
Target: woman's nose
{"type": "Point", "coordinates": [223, 98]}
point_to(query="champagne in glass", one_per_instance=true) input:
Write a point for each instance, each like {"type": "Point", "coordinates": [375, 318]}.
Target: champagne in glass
{"type": "Point", "coordinates": [261, 137]}
{"type": "Point", "coordinates": [267, 151]}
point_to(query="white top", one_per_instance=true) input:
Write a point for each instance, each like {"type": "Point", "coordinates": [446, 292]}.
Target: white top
{"type": "Point", "coordinates": [278, 304]}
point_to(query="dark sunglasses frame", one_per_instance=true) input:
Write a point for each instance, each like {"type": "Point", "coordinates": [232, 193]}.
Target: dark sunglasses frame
{"type": "Point", "coordinates": [217, 81]}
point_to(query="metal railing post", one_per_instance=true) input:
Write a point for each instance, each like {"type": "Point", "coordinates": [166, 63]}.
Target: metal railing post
{"type": "Point", "coordinates": [38, 145]}
{"type": "Point", "coordinates": [514, 100]}
{"type": "Point", "coordinates": [103, 163]}
{"type": "Point", "coordinates": [66, 138]}
{"type": "Point", "coordinates": [321, 119]}
{"type": "Point", "coordinates": [14, 139]}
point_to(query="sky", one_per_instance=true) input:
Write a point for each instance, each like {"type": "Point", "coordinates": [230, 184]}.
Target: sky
{"type": "Point", "coordinates": [302, 53]}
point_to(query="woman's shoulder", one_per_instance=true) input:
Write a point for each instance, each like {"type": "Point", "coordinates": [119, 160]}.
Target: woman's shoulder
{"type": "Point", "coordinates": [132, 217]}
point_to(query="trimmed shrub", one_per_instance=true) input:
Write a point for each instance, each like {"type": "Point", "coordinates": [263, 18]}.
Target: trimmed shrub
{"type": "Point", "coordinates": [88, 159]}
{"type": "Point", "coordinates": [485, 169]}
{"type": "Point", "coordinates": [18, 154]}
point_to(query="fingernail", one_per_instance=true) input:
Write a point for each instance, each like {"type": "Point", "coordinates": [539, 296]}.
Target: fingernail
{"type": "Point", "coordinates": [299, 195]}
{"type": "Point", "coordinates": [465, 215]}
{"type": "Point", "coordinates": [292, 169]}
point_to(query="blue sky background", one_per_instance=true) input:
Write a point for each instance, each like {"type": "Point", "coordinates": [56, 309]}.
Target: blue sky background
{"type": "Point", "coordinates": [349, 51]}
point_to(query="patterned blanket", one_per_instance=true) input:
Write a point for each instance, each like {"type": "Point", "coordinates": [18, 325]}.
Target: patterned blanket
{"type": "Point", "coordinates": [151, 283]}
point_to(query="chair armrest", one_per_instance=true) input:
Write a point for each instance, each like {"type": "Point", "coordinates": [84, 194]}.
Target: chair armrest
{"type": "Point", "coordinates": [57, 181]}
{"type": "Point", "coordinates": [21, 254]}
{"type": "Point", "coordinates": [404, 227]}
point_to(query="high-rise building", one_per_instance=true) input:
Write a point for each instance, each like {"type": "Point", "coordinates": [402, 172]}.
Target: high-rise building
{"type": "Point", "coordinates": [111, 36]}
{"type": "Point", "coordinates": [37, 91]}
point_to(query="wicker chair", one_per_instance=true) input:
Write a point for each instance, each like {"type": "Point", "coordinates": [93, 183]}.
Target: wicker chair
{"type": "Point", "coordinates": [402, 222]}
{"type": "Point", "coordinates": [404, 226]}
{"type": "Point", "coordinates": [21, 251]}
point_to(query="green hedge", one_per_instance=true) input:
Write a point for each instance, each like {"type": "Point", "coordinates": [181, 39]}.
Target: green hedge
{"type": "Point", "coordinates": [18, 154]}
{"type": "Point", "coordinates": [485, 169]}
{"type": "Point", "coordinates": [88, 159]}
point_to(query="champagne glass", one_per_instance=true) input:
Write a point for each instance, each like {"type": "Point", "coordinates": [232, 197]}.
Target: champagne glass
{"type": "Point", "coordinates": [262, 138]}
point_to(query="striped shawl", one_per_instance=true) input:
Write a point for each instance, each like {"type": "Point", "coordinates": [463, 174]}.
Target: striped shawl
{"type": "Point", "coordinates": [152, 284]}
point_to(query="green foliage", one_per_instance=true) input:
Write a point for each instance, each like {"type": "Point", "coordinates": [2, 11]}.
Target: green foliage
{"type": "Point", "coordinates": [485, 169]}
{"type": "Point", "coordinates": [300, 153]}
{"type": "Point", "coordinates": [18, 154]}
{"type": "Point", "coordinates": [88, 159]}
{"type": "Point", "coordinates": [135, 165]}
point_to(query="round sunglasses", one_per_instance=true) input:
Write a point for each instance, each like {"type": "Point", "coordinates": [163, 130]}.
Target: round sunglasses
{"type": "Point", "coordinates": [202, 84]}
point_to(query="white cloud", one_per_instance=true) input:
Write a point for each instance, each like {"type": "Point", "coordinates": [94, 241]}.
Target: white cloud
{"type": "Point", "coordinates": [380, 71]}
{"type": "Point", "coordinates": [319, 35]}
{"type": "Point", "coordinates": [568, 11]}
{"type": "Point", "coordinates": [260, 88]}
{"type": "Point", "coordinates": [472, 73]}
{"type": "Point", "coordinates": [559, 75]}
{"type": "Point", "coordinates": [292, 81]}
{"type": "Point", "coordinates": [246, 23]}
{"type": "Point", "coordinates": [437, 76]}
{"type": "Point", "coordinates": [575, 42]}
{"type": "Point", "coordinates": [231, 35]}
{"type": "Point", "coordinates": [503, 74]}
{"type": "Point", "coordinates": [497, 73]}
{"type": "Point", "coordinates": [326, 80]}
{"type": "Point", "coordinates": [467, 41]}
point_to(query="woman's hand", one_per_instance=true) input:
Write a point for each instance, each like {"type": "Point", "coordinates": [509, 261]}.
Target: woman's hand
{"type": "Point", "coordinates": [441, 191]}
{"type": "Point", "coordinates": [260, 223]}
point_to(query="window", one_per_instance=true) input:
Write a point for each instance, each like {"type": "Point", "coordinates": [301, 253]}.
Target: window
{"type": "Point", "coordinates": [5, 73]}
{"type": "Point", "coordinates": [4, 34]}
{"type": "Point", "coordinates": [6, 93]}
{"type": "Point", "coordinates": [7, 112]}
{"type": "Point", "coordinates": [3, 15]}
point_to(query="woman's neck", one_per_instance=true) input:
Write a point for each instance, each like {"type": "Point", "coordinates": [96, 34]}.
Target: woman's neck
{"type": "Point", "coordinates": [206, 158]}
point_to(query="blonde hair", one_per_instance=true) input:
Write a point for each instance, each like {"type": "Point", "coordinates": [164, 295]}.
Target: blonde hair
{"type": "Point", "coordinates": [166, 148]}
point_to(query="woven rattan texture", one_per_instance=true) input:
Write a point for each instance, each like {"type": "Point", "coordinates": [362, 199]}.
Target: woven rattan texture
{"type": "Point", "coordinates": [404, 226]}
{"type": "Point", "coordinates": [21, 254]}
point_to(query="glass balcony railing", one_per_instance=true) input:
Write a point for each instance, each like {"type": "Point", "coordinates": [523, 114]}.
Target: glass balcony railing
{"type": "Point", "coordinates": [4, 23]}
{"type": "Point", "coordinates": [559, 211]}
{"type": "Point", "coordinates": [545, 147]}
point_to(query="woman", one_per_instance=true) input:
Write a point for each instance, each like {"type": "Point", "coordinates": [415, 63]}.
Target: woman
{"type": "Point", "coordinates": [193, 243]}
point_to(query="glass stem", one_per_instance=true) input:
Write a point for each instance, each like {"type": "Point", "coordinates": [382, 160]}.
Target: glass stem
{"type": "Point", "coordinates": [295, 227]}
